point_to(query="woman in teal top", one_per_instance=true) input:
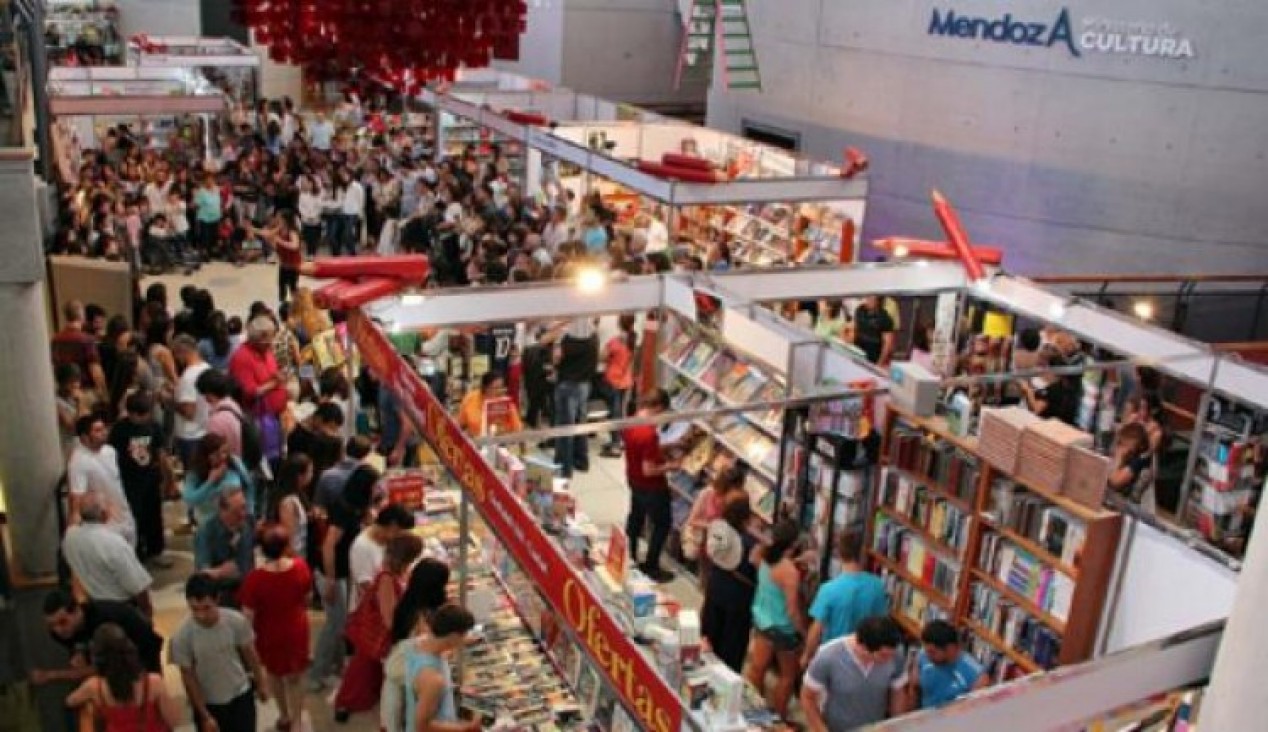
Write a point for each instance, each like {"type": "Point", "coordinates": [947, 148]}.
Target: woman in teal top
{"type": "Point", "coordinates": [429, 699]}
{"type": "Point", "coordinates": [209, 473]}
{"type": "Point", "coordinates": [207, 215]}
{"type": "Point", "coordinates": [778, 621]}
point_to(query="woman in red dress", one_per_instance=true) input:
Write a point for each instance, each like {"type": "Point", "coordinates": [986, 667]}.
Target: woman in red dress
{"type": "Point", "coordinates": [275, 597]}
{"type": "Point", "coordinates": [363, 679]}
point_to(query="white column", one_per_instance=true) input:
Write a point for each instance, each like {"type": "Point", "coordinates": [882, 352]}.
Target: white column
{"type": "Point", "coordinates": [30, 453]}
{"type": "Point", "coordinates": [1236, 699]}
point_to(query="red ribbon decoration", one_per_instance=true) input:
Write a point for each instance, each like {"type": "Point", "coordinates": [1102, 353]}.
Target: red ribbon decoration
{"type": "Point", "coordinates": [404, 42]}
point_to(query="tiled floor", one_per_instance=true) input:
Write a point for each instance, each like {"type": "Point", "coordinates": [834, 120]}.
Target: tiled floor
{"type": "Point", "coordinates": [601, 492]}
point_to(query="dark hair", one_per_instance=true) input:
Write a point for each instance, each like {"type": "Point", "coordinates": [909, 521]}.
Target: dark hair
{"type": "Point", "coordinates": [333, 382]}
{"type": "Point", "coordinates": [275, 539]}
{"type": "Point", "coordinates": [452, 620]}
{"type": "Point", "coordinates": [357, 447]}
{"type": "Point", "coordinates": [139, 403]}
{"type": "Point", "coordinates": [115, 658]}
{"type": "Point", "coordinates": [427, 590]}
{"type": "Point", "coordinates": [199, 464]}
{"type": "Point", "coordinates": [488, 377]}
{"type": "Point", "coordinates": [126, 366]}
{"type": "Point", "coordinates": [157, 292]}
{"type": "Point", "coordinates": [783, 538]}
{"type": "Point", "coordinates": [737, 511]}
{"type": "Point", "coordinates": [878, 632]}
{"type": "Point", "coordinates": [1150, 378]}
{"type": "Point", "coordinates": [393, 514]}
{"type": "Point", "coordinates": [93, 311]}
{"type": "Point", "coordinates": [656, 398]}
{"type": "Point", "coordinates": [359, 489]}
{"type": "Point", "coordinates": [1029, 339]}
{"type": "Point", "coordinates": [214, 382]}
{"type": "Point", "coordinates": [201, 586]}
{"type": "Point", "coordinates": [626, 323]}
{"type": "Point", "coordinates": [939, 634]}
{"type": "Point", "coordinates": [160, 323]}
{"type": "Point", "coordinates": [58, 600]}
{"type": "Point", "coordinates": [328, 413]}
{"type": "Point", "coordinates": [84, 424]}
{"type": "Point", "coordinates": [218, 333]}
{"type": "Point", "coordinates": [850, 546]}
{"type": "Point", "coordinates": [67, 373]}
{"type": "Point", "coordinates": [116, 326]}
{"type": "Point", "coordinates": [401, 552]}
{"type": "Point", "coordinates": [293, 466]}
{"type": "Point", "coordinates": [730, 478]}
{"type": "Point", "coordinates": [1135, 432]}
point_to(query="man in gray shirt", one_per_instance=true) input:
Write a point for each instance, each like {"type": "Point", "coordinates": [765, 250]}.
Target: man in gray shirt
{"type": "Point", "coordinates": [856, 680]}
{"type": "Point", "coordinates": [104, 562]}
{"type": "Point", "coordinates": [215, 651]}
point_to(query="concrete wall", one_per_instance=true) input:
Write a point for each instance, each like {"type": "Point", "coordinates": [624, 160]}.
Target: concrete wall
{"type": "Point", "coordinates": [1106, 162]}
{"type": "Point", "coordinates": [624, 50]}
{"type": "Point", "coordinates": [160, 17]}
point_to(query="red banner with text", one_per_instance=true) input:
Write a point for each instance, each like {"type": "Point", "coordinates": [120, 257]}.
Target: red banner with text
{"type": "Point", "coordinates": [629, 672]}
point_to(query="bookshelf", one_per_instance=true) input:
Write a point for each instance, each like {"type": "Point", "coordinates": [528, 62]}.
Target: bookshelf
{"type": "Point", "coordinates": [1023, 570]}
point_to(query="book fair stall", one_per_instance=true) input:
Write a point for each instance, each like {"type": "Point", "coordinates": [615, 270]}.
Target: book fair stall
{"type": "Point", "coordinates": [996, 522]}
{"type": "Point", "coordinates": [226, 63]}
{"type": "Point", "coordinates": [82, 33]}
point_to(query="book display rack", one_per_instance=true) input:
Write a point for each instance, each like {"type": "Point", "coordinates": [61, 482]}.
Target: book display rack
{"type": "Point", "coordinates": [1021, 567]}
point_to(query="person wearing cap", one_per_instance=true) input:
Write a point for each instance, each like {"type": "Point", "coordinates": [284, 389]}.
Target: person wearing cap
{"type": "Point", "coordinates": [645, 469]}
{"type": "Point", "coordinates": [726, 618]}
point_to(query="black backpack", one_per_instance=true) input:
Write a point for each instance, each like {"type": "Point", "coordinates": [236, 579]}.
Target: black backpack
{"type": "Point", "coordinates": [252, 442]}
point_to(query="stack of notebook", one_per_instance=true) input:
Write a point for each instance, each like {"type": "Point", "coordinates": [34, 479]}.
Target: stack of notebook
{"type": "Point", "coordinates": [1000, 440]}
{"type": "Point", "coordinates": [1045, 450]}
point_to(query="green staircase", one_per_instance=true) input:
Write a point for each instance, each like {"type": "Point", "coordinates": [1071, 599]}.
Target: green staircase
{"type": "Point", "coordinates": [719, 27]}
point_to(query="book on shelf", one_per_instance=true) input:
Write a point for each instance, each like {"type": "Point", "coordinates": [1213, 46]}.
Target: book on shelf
{"type": "Point", "coordinates": [698, 358]}
{"type": "Point", "coordinates": [943, 520]}
{"type": "Point", "coordinates": [912, 553]}
{"type": "Point", "coordinates": [1014, 626]}
{"type": "Point", "coordinates": [910, 602]}
{"type": "Point", "coordinates": [1056, 530]}
{"type": "Point", "coordinates": [678, 347]}
{"type": "Point", "coordinates": [997, 666]}
{"type": "Point", "coordinates": [722, 364]}
{"type": "Point", "coordinates": [952, 470]}
{"type": "Point", "coordinates": [1022, 572]}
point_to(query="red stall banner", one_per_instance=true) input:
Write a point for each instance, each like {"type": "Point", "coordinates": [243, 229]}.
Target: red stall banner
{"type": "Point", "coordinates": [406, 489]}
{"type": "Point", "coordinates": [633, 677]}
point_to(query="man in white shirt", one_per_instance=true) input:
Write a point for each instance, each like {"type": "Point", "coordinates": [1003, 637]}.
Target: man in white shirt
{"type": "Point", "coordinates": [366, 555]}
{"type": "Point", "coordinates": [94, 466]}
{"type": "Point", "coordinates": [351, 211]}
{"type": "Point", "coordinates": [103, 563]}
{"type": "Point", "coordinates": [657, 235]}
{"type": "Point", "coordinates": [192, 409]}
{"type": "Point", "coordinates": [322, 133]}
{"type": "Point", "coordinates": [557, 232]}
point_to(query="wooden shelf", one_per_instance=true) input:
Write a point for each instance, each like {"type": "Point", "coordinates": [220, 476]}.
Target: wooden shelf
{"type": "Point", "coordinates": [920, 531]}
{"type": "Point", "coordinates": [937, 597]}
{"type": "Point", "coordinates": [908, 625]}
{"type": "Point", "coordinates": [1080, 511]}
{"type": "Point", "coordinates": [1025, 662]}
{"type": "Point", "coordinates": [1038, 551]}
{"type": "Point", "coordinates": [938, 427]}
{"type": "Point", "coordinates": [1016, 598]}
{"type": "Point", "coordinates": [932, 485]}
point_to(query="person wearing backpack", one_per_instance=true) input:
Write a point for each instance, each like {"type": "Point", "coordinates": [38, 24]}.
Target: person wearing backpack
{"type": "Point", "coordinates": [240, 433]}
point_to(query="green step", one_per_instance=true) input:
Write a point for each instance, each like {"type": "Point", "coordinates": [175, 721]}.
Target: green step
{"type": "Point", "coordinates": [744, 85]}
{"type": "Point", "coordinates": [741, 68]}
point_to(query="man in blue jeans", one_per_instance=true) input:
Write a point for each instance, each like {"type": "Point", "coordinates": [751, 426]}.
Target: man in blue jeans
{"type": "Point", "coordinates": [645, 469]}
{"type": "Point", "coordinates": [577, 363]}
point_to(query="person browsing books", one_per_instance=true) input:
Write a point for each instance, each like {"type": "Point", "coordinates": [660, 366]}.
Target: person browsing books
{"type": "Point", "coordinates": [944, 672]}
{"type": "Point", "coordinates": [843, 602]}
{"type": "Point", "coordinates": [645, 470]}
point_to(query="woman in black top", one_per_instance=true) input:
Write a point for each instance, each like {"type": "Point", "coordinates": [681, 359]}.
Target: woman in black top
{"type": "Point", "coordinates": [727, 615]}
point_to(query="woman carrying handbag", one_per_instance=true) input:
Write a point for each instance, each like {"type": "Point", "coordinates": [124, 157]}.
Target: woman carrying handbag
{"type": "Point", "coordinates": [369, 629]}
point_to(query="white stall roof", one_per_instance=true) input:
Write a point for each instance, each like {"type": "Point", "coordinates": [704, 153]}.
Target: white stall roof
{"type": "Point", "coordinates": [194, 52]}
{"type": "Point", "coordinates": [107, 90]}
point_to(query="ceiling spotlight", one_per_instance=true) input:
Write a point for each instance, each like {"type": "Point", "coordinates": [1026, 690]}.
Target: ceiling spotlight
{"type": "Point", "coordinates": [1143, 309]}
{"type": "Point", "coordinates": [901, 251]}
{"type": "Point", "coordinates": [591, 280]}
{"type": "Point", "coordinates": [1057, 310]}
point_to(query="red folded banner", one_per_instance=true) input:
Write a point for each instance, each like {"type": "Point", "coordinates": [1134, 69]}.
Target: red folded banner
{"type": "Point", "coordinates": [412, 268]}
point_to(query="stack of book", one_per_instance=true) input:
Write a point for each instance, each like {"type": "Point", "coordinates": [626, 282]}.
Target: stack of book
{"type": "Point", "coordinates": [1000, 438]}
{"type": "Point", "coordinates": [1087, 476]}
{"type": "Point", "coordinates": [1045, 448]}
{"type": "Point", "coordinates": [910, 552]}
{"type": "Point", "coordinates": [1022, 572]}
{"type": "Point", "coordinates": [1014, 626]}
{"type": "Point", "coordinates": [1224, 483]}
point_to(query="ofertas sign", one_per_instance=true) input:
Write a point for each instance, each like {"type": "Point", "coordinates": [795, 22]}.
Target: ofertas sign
{"type": "Point", "coordinates": [1094, 35]}
{"type": "Point", "coordinates": [630, 674]}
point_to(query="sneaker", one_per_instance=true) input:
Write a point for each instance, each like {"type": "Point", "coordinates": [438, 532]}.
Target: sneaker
{"type": "Point", "coordinates": [658, 575]}
{"type": "Point", "coordinates": [342, 716]}
{"type": "Point", "coordinates": [610, 451]}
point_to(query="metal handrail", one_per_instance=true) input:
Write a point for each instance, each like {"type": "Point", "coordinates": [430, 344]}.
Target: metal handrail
{"type": "Point", "coordinates": [1095, 279]}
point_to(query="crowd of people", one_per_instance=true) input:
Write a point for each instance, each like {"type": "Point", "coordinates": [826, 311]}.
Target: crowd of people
{"type": "Point", "coordinates": [285, 508]}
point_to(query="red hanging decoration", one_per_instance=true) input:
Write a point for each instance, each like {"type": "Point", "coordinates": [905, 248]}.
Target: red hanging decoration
{"type": "Point", "coordinates": [402, 42]}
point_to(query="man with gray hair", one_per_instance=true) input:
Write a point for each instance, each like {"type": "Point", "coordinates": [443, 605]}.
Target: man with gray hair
{"type": "Point", "coordinates": [263, 384]}
{"type": "Point", "coordinates": [104, 563]}
{"type": "Point", "coordinates": [224, 549]}
{"type": "Point", "coordinates": [192, 410]}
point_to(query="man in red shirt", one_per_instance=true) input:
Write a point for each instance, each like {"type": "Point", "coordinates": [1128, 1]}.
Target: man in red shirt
{"type": "Point", "coordinates": [645, 469]}
{"type": "Point", "coordinates": [72, 344]}
{"type": "Point", "coordinates": [262, 383]}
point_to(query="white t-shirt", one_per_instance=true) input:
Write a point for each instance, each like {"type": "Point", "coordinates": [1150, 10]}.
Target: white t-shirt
{"type": "Point", "coordinates": [365, 557]}
{"type": "Point", "coordinates": [657, 236]}
{"type": "Point", "coordinates": [187, 393]}
{"type": "Point", "coordinates": [99, 472]}
{"type": "Point", "coordinates": [104, 563]}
